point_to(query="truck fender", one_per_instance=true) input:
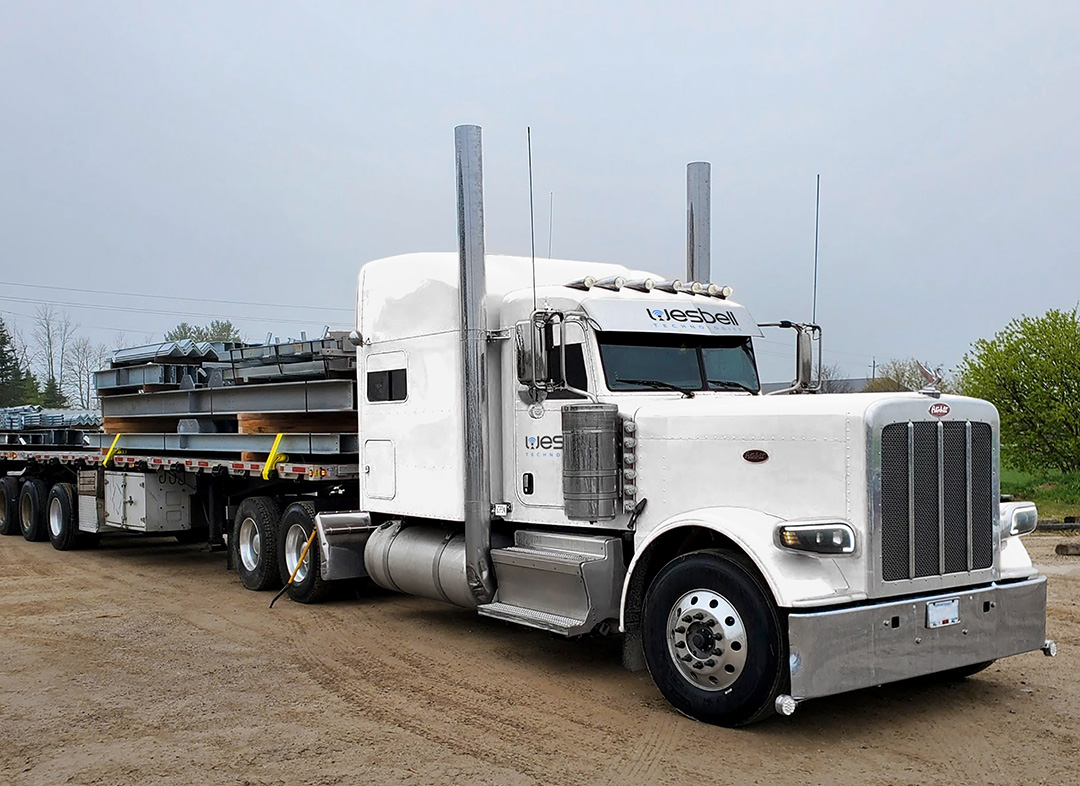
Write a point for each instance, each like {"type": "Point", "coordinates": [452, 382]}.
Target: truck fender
{"type": "Point", "coordinates": [789, 576]}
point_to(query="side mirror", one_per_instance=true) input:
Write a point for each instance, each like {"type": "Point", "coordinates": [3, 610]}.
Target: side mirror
{"type": "Point", "coordinates": [541, 350]}
{"type": "Point", "coordinates": [804, 359]}
{"type": "Point", "coordinates": [531, 359]}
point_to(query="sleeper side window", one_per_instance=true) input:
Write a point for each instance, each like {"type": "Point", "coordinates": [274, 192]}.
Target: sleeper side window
{"type": "Point", "coordinates": [387, 377]}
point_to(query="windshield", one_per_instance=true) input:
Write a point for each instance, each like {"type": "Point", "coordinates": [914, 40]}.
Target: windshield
{"type": "Point", "coordinates": [650, 361]}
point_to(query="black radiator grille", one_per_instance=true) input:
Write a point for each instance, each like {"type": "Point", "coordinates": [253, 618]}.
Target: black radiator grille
{"type": "Point", "coordinates": [936, 518]}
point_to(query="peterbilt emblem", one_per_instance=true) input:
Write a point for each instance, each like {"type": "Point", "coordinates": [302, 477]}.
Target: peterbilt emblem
{"type": "Point", "coordinates": [939, 410]}
{"type": "Point", "coordinates": [756, 456]}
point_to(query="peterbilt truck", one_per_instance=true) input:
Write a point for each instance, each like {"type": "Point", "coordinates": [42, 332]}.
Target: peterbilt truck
{"type": "Point", "coordinates": [585, 449]}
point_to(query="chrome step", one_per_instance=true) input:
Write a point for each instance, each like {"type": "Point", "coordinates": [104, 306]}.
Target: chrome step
{"type": "Point", "coordinates": [555, 623]}
{"type": "Point", "coordinates": [559, 582]}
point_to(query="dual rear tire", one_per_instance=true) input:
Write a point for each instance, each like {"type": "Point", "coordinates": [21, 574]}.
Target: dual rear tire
{"type": "Point", "coordinates": [9, 506]}
{"type": "Point", "coordinates": [267, 546]}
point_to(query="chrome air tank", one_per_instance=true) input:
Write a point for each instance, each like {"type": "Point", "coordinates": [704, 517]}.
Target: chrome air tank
{"type": "Point", "coordinates": [590, 461]}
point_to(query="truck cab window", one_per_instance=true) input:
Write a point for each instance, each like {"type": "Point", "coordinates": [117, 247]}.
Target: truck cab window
{"type": "Point", "coordinates": [390, 385]}
{"type": "Point", "coordinates": [648, 361]}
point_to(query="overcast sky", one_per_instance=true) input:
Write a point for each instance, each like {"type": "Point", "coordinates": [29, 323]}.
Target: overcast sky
{"type": "Point", "coordinates": [261, 152]}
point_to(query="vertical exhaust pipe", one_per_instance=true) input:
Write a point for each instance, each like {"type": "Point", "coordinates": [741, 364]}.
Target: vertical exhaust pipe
{"type": "Point", "coordinates": [473, 289]}
{"type": "Point", "coordinates": [698, 230]}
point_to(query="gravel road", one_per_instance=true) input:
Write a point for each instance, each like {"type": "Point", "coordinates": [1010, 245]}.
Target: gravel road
{"type": "Point", "coordinates": [145, 662]}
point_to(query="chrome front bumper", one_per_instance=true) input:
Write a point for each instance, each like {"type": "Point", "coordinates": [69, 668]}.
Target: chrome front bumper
{"type": "Point", "coordinates": [847, 649]}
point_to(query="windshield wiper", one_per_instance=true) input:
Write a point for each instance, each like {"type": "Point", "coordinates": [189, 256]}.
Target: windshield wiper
{"type": "Point", "coordinates": [728, 384]}
{"type": "Point", "coordinates": [657, 384]}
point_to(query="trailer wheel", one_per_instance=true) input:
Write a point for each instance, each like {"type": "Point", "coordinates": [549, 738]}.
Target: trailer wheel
{"type": "Point", "coordinates": [254, 543]}
{"type": "Point", "coordinates": [9, 506]}
{"type": "Point", "coordinates": [32, 509]}
{"type": "Point", "coordinates": [713, 639]}
{"type": "Point", "coordinates": [62, 517]}
{"type": "Point", "coordinates": [296, 526]}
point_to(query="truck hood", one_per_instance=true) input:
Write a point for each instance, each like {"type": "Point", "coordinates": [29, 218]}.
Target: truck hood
{"type": "Point", "coordinates": [787, 456]}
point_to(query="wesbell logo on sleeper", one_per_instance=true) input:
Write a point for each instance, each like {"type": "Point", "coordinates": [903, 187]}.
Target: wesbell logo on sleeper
{"type": "Point", "coordinates": [697, 315]}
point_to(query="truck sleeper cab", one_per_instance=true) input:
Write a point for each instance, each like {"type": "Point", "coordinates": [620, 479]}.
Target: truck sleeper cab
{"type": "Point", "coordinates": [755, 551]}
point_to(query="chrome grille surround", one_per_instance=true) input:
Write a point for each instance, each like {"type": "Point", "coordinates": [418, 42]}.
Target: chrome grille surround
{"type": "Point", "coordinates": [933, 510]}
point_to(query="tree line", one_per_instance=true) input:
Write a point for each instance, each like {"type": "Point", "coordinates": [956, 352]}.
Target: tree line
{"type": "Point", "coordinates": [52, 365]}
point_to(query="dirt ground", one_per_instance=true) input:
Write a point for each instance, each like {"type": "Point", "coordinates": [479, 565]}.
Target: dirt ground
{"type": "Point", "coordinates": [145, 662]}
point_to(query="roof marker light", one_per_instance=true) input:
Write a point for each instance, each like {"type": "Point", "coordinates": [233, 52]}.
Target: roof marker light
{"type": "Point", "coordinates": [586, 283]}
{"type": "Point", "coordinates": [644, 285]}
{"type": "Point", "coordinates": [615, 283]}
{"type": "Point", "coordinates": [669, 286]}
{"type": "Point", "coordinates": [721, 292]}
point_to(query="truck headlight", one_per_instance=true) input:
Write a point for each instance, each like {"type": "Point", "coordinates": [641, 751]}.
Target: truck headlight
{"type": "Point", "coordinates": [831, 537]}
{"type": "Point", "coordinates": [1018, 518]}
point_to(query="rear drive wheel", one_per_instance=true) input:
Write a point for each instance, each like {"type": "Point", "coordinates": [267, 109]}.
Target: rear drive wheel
{"type": "Point", "coordinates": [9, 506]}
{"type": "Point", "coordinates": [296, 527]}
{"type": "Point", "coordinates": [713, 639]}
{"type": "Point", "coordinates": [32, 509]}
{"type": "Point", "coordinates": [62, 517]}
{"type": "Point", "coordinates": [254, 543]}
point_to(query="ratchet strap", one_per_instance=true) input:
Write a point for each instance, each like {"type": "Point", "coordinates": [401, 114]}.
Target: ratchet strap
{"type": "Point", "coordinates": [274, 458]}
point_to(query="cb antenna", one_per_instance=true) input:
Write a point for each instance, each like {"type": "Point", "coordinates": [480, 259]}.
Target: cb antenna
{"type": "Point", "coordinates": [551, 218]}
{"type": "Point", "coordinates": [532, 217]}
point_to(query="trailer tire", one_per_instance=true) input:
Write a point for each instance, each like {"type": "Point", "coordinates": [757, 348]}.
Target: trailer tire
{"type": "Point", "coordinates": [254, 543]}
{"type": "Point", "coordinates": [9, 506]}
{"type": "Point", "coordinates": [713, 639]}
{"type": "Point", "coordinates": [32, 499]}
{"type": "Point", "coordinates": [61, 515]}
{"type": "Point", "coordinates": [296, 527]}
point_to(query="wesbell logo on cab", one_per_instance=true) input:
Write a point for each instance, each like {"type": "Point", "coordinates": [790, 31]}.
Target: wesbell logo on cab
{"type": "Point", "coordinates": [697, 315]}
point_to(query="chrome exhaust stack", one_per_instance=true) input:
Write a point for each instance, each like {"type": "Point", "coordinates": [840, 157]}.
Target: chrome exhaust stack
{"type": "Point", "coordinates": [473, 289]}
{"type": "Point", "coordinates": [698, 221]}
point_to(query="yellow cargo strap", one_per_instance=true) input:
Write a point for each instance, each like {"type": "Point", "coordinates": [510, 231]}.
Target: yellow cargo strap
{"type": "Point", "coordinates": [112, 450]}
{"type": "Point", "coordinates": [274, 458]}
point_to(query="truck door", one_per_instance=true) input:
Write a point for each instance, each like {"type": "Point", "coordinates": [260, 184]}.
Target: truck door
{"type": "Point", "coordinates": [538, 430]}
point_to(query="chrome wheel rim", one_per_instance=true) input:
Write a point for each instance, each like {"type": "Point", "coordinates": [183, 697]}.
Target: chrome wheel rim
{"type": "Point", "coordinates": [56, 518]}
{"type": "Point", "coordinates": [250, 545]}
{"type": "Point", "coordinates": [26, 513]}
{"type": "Point", "coordinates": [707, 640]}
{"type": "Point", "coordinates": [294, 546]}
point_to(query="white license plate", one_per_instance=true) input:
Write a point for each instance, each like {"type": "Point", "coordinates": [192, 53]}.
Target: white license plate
{"type": "Point", "coordinates": [940, 613]}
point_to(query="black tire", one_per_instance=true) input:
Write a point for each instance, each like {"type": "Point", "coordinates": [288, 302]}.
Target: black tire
{"type": "Point", "coordinates": [32, 497]}
{"type": "Point", "coordinates": [254, 543]}
{"type": "Point", "coordinates": [9, 507]}
{"type": "Point", "coordinates": [743, 691]}
{"type": "Point", "coordinates": [308, 587]}
{"type": "Point", "coordinates": [62, 517]}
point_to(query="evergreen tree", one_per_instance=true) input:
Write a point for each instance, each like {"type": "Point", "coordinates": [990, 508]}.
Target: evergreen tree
{"type": "Point", "coordinates": [52, 396]}
{"type": "Point", "coordinates": [17, 385]}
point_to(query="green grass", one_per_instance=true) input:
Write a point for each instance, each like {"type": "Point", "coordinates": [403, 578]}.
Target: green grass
{"type": "Point", "coordinates": [1056, 494]}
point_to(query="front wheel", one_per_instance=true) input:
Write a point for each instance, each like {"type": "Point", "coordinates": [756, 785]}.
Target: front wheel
{"type": "Point", "coordinates": [713, 639]}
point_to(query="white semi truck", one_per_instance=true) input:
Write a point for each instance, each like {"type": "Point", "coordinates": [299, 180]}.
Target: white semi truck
{"type": "Point", "coordinates": [585, 449]}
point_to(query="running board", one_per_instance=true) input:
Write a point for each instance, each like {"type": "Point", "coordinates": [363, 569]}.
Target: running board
{"type": "Point", "coordinates": [566, 584]}
{"type": "Point", "coordinates": [531, 618]}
